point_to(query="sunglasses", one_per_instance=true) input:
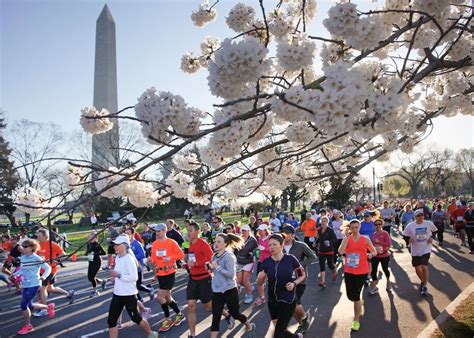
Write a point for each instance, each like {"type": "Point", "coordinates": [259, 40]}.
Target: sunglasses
{"type": "Point", "coordinates": [378, 223]}
{"type": "Point", "coordinates": [25, 246]}
{"type": "Point", "coordinates": [419, 216]}
{"type": "Point", "coordinates": [229, 229]}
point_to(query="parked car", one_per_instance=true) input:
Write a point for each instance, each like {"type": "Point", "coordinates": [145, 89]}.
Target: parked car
{"type": "Point", "coordinates": [62, 221]}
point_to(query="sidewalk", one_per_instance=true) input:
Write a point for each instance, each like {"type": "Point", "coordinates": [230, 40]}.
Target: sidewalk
{"type": "Point", "coordinates": [447, 313]}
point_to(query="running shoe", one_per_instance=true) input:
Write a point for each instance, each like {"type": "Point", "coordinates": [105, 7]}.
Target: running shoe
{"type": "Point", "coordinates": [103, 284]}
{"type": "Point", "coordinates": [179, 319]}
{"type": "Point", "coordinates": [70, 296]}
{"type": "Point", "coordinates": [251, 333]}
{"type": "Point", "coordinates": [248, 299]}
{"type": "Point", "coordinates": [321, 284]}
{"type": "Point", "coordinates": [421, 287]}
{"type": "Point", "coordinates": [230, 322]}
{"type": "Point", "coordinates": [334, 275]}
{"type": "Point", "coordinates": [105, 268]}
{"type": "Point", "coordinates": [51, 311]}
{"type": "Point", "coordinates": [304, 326]}
{"type": "Point", "coordinates": [25, 329]}
{"type": "Point", "coordinates": [424, 291]}
{"type": "Point", "coordinates": [154, 334]}
{"type": "Point", "coordinates": [40, 313]}
{"type": "Point", "coordinates": [94, 293]}
{"type": "Point", "coordinates": [146, 313]}
{"type": "Point", "coordinates": [260, 301]}
{"type": "Point", "coordinates": [355, 326]}
{"type": "Point", "coordinates": [166, 325]}
{"type": "Point", "coordinates": [374, 291]}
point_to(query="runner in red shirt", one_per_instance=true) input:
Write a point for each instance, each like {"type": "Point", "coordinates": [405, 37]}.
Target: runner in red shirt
{"type": "Point", "coordinates": [457, 217]}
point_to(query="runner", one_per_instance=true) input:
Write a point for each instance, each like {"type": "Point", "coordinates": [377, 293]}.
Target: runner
{"type": "Point", "coordinates": [439, 219]}
{"type": "Point", "coordinates": [262, 253]}
{"type": "Point", "coordinates": [382, 242]}
{"type": "Point", "coordinates": [139, 253]}
{"type": "Point", "coordinates": [388, 216]}
{"type": "Point", "coordinates": [469, 217]}
{"type": "Point", "coordinates": [30, 267]}
{"type": "Point", "coordinates": [217, 228]}
{"type": "Point", "coordinates": [325, 243]}
{"type": "Point", "coordinates": [306, 256]}
{"type": "Point", "coordinates": [420, 233]}
{"type": "Point", "coordinates": [47, 286]}
{"type": "Point", "coordinates": [113, 234]}
{"type": "Point", "coordinates": [457, 217]}
{"type": "Point", "coordinates": [337, 225]}
{"type": "Point", "coordinates": [246, 262]}
{"type": "Point", "coordinates": [275, 223]}
{"type": "Point", "coordinates": [125, 274]}
{"type": "Point", "coordinates": [408, 216]}
{"type": "Point", "coordinates": [164, 254]}
{"type": "Point", "coordinates": [310, 230]}
{"type": "Point", "coordinates": [356, 267]}
{"type": "Point", "coordinates": [172, 233]}
{"type": "Point", "coordinates": [199, 283]}
{"type": "Point", "coordinates": [93, 252]}
{"type": "Point", "coordinates": [284, 273]}
{"type": "Point", "coordinates": [12, 265]}
{"type": "Point", "coordinates": [224, 285]}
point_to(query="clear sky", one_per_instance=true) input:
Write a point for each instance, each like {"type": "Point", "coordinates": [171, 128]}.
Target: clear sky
{"type": "Point", "coordinates": [47, 57]}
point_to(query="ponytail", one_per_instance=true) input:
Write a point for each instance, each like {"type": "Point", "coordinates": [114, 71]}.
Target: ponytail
{"type": "Point", "coordinates": [232, 241]}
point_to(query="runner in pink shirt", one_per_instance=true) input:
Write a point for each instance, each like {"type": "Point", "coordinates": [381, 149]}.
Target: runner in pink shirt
{"type": "Point", "coordinates": [381, 241]}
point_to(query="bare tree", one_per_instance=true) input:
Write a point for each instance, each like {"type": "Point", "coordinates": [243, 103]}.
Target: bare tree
{"type": "Point", "coordinates": [464, 163]}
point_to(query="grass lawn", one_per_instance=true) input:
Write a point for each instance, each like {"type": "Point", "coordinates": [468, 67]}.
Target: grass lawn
{"type": "Point", "coordinates": [461, 323]}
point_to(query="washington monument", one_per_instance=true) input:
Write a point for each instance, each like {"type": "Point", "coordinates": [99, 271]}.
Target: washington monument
{"type": "Point", "coordinates": [105, 152]}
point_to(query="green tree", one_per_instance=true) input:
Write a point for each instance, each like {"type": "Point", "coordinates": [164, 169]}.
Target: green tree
{"type": "Point", "coordinates": [8, 175]}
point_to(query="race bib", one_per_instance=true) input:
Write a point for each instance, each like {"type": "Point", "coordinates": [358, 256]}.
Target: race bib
{"type": "Point", "coordinates": [353, 260]}
{"type": "Point", "coordinates": [459, 218]}
{"type": "Point", "coordinates": [192, 257]}
{"type": "Point", "coordinates": [379, 249]}
{"type": "Point", "coordinates": [312, 239]}
{"type": "Point", "coordinates": [161, 253]}
{"type": "Point", "coordinates": [421, 234]}
{"type": "Point", "coordinates": [90, 257]}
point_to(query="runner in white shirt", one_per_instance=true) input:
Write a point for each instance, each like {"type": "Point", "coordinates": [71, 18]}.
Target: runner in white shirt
{"type": "Point", "coordinates": [275, 223]}
{"type": "Point", "coordinates": [421, 236]}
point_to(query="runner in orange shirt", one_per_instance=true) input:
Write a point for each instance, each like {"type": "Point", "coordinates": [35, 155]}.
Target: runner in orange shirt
{"type": "Point", "coordinates": [310, 229]}
{"type": "Point", "coordinates": [164, 254]}
{"type": "Point", "coordinates": [49, 249]}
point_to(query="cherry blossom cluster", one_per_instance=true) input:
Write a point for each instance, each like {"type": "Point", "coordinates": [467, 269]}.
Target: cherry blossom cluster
{"type": "Point", "coordinates": [241, 18]}
{"type": "Point", "coordinates": [181, 186]}
{"type": "Point", "coordinates": [30, 201]}
{"type": "Point", "coordinates": [204, 14]}
{"type": "Point", "coordinates": [187, 162]}
{"type": "Point", "coordinates": [74, 177]}
{"type": "Point", "coordinates": [164, 112]}
{"type": "Point", "coordinates": [295, 53]}
{"type": "Point", "coordinates": [95, 122]}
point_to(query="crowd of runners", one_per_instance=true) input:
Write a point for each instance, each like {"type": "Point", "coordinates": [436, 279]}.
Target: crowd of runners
{"type": "Point", "coordinates": [260, 262]}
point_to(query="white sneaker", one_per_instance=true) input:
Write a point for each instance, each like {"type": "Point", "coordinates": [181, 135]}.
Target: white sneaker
{"type": "Point", "coordinates": [374, 291]}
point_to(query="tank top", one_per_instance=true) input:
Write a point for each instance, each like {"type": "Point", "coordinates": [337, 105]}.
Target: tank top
{"type": "Point", "coordinates": [356, 257]}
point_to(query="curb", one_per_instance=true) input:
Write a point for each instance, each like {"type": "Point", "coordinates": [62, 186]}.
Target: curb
{"type": "Point", "coordinates": [447, 312]}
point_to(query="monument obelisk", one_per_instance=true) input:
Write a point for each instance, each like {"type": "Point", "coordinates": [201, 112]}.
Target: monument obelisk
{"type": "Point", "coordinates": [105, 152]}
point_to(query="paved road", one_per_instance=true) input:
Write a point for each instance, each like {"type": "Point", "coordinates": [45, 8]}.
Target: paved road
{"type": "Point", "coordinates": [402, 313]}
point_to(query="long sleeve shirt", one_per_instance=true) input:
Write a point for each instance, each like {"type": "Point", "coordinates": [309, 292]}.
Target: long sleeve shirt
{"type": "Point", "coordinates": [30, 270]}
{"type": "Point", "coordinates": [225, 275]}
{"type": "Point", "coordinates": [126, 266]}
{"type": "Point", "coordinates": [139, 253]}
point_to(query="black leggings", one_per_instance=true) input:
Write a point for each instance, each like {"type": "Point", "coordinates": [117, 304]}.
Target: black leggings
{"type": "Point", "coordinates": [322, 262]}
{"type": "Point", "coordinates": [219, 299]}
{"type": "Point", "coordinates": [375, 264]}
{"type": "Point", "coordinates": [354, 284]}
{"type": "Point", "coordinates": [140, 285]}
{"type": "Point", "coordinates": [92, 271]}
{"type": "Point", "coordinates": [282, 312]}
{"type": "Point", "coordinates": [116, 307]}
{"type": "Point", "coordinates": [440, 232]}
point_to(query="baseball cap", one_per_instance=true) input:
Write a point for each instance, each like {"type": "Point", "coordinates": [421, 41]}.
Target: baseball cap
{"type": "Point", "coordinates": [262, 227]}
{"type": "Point", "coordinates": [288, 229]}
{"type": "Point", "coordinates": [367, 213]}
{"type": "Point", "coordinates": [245, 227]}
{"type": "Point", "coordinates": [122, 239]}
{"type": "Point", "coordinates": [159, 227]}
{"type": "Point", "coordinates": [458, 203]}
{"type": "Point", "coordinates": [419, 212]}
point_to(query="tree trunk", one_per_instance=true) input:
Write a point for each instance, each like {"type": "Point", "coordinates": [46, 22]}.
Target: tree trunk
{"type": "Point", "coordinates": [284, 201]}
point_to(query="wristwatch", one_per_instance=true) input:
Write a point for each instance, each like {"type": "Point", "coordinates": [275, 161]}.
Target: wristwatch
{"type": "Point", "coordinates": [119, 275]}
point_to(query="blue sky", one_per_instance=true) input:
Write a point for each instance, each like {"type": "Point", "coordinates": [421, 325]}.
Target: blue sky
{"type": "Point", "coordinates": [47, 58]}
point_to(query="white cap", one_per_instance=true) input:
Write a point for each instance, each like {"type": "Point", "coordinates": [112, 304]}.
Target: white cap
{"type": "Point", "coordinates": [122, 239]}
{"type": "Point", "coordinates": [458, 203]}
{"type": "Point", "coordinates": [245, 227]}
{"type": "Point", "coordinates": [262, 227]}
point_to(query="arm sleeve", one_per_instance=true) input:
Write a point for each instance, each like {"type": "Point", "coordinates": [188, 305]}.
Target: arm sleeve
{"type": "Point", "coordinates": [309, 256]}
{"type": "Point", "coordinates": [131, 272]}
{"type": "Point", "coordinates": [228, 268]}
